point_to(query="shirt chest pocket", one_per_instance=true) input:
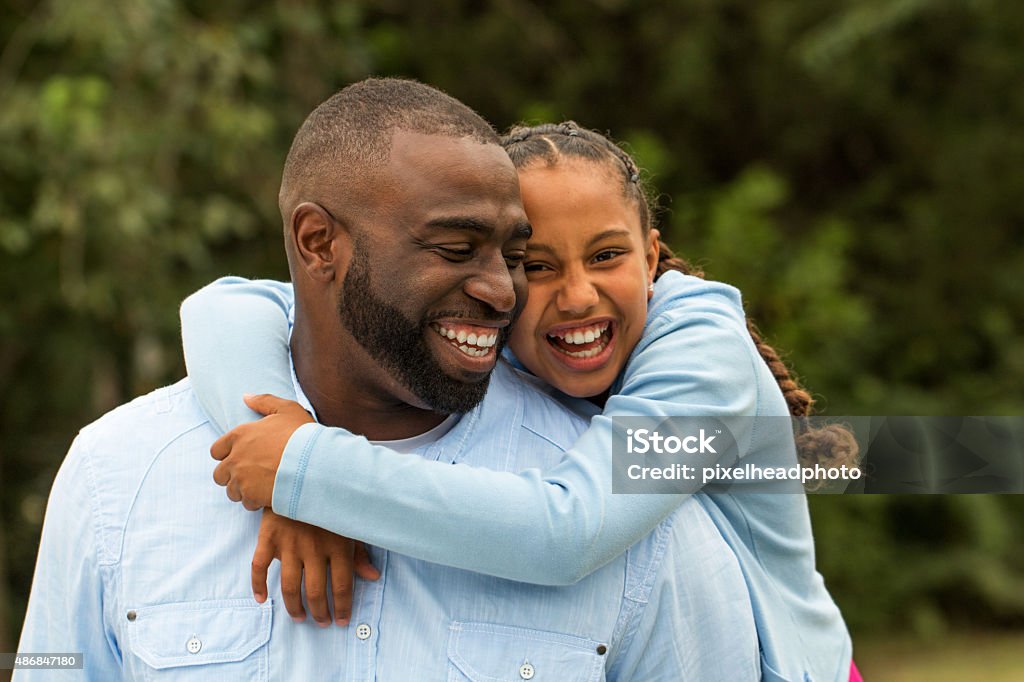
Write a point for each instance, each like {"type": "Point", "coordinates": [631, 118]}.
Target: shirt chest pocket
{"type": "Point", "coordinates": [226, 639]}
{"type": "Point", "coordinates": [484, 652]}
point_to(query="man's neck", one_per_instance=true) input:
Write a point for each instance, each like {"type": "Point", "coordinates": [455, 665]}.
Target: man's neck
{"type": "Point", "coordinates": [348, 389]}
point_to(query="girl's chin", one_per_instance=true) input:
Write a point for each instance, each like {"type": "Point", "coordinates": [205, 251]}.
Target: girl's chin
{"type": "Point", "coordinates": [581, 387]}
{"type": "Point", "coordinates": [581, 377]}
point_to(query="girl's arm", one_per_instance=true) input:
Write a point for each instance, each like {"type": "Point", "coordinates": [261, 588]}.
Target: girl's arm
{"type": "Point", "coordinates": [545, 527]}
{"type": "Point", "coordinates": [552, 527]}
{"type": "Point", "coordinates": [235, 335]}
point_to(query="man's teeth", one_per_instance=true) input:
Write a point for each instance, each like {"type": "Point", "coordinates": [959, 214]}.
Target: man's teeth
{"type": "Point", "coordinates": [474, 345]}
{"type": "Point", "coordinates": [581, 334]}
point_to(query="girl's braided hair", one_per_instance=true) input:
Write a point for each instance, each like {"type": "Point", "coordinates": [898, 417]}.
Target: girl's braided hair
{"type": "Point", "coordinates": [829, 446]}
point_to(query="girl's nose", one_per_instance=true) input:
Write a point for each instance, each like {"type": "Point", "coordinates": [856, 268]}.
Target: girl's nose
{"type": "Point", "coordinates": [577, 295]}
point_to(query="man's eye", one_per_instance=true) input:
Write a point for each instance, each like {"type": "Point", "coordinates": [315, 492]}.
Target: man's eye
{"type": "Point", "coordinates": [455, 252]}
{"type": "Point", "coordinates": [514, 259]}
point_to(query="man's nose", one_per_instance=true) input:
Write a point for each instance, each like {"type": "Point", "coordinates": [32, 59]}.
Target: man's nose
{"type": "Point", "coordinates": [493, 285]}
{"type": "Point", "coordinates": [577, 294]}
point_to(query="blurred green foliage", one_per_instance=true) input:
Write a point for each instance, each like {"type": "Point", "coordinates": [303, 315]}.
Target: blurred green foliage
{"type": "Point", "coordinates": [854, 167]}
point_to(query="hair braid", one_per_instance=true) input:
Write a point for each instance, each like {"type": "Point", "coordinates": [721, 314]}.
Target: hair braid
{"type": "Point", "coordinates": [799, 401]}
{"type": "Point", "coordinates": [832, 445]}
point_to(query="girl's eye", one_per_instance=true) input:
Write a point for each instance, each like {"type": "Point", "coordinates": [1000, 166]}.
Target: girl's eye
{"type": "Point", "coordinates": [607, 255]}
{"type": "Point", "coordinates": [534, 266]}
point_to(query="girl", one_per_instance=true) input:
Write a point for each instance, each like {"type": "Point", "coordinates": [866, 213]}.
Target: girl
{"type": "Point", "coordinates": [610, 317]}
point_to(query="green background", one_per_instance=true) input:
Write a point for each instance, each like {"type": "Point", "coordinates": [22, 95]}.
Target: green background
{"type": "Point", "coordinates": [855, 167]}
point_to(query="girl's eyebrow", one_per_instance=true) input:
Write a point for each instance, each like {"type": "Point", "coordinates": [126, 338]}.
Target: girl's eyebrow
{"type": "Point", "coordinates": [535, 246]}
{"type": "Point", "coordinates": [611, 232]}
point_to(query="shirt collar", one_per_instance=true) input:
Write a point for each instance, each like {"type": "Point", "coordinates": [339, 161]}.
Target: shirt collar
{"type": "Point", "coordinates": [501, 420]}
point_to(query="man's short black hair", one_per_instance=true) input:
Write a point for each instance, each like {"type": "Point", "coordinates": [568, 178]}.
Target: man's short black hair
{"type": "Point", "coordinates": [348, 137]}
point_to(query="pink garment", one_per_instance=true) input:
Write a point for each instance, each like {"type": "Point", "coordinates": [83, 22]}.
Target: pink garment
{"type": "Point", "coordinates": [854, 673]}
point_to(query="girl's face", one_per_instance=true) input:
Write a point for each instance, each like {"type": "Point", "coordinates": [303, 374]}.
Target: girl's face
{"type": "Point", "coordinates": [589, 267]}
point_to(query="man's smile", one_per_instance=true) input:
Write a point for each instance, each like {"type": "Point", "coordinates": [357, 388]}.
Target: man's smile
{"type": "Point", "coordinates": [476, 342]}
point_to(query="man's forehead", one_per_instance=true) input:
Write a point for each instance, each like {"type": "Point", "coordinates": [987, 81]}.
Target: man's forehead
{"type": "Point", "coordinates": [434, 172]}
{"type": "Point", "coordinates": [440, 149]}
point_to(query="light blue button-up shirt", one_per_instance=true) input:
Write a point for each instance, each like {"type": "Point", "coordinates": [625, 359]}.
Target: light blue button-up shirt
{"type": "Point", "coordinates": [695, 358]}
{"type": "Point", "coordinates": [144, 568]}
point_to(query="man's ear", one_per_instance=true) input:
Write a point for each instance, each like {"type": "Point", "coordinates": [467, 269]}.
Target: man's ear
{"type": "Point", "coordinates": [315, 236]}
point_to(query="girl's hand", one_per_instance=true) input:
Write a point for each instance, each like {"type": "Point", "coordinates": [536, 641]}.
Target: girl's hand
{"type": "Point", "coordinates": [315, 553]}
{"type": "Point", "coordinates": [251, 453]}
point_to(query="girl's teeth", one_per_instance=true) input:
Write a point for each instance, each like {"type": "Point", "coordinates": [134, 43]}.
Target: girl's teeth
{"type": "Point", "coordinates": [583, 335]}
{"type": "Point", "coordinates": [578, 336]}
{"type": "Point", "coordinates": [584, 353]}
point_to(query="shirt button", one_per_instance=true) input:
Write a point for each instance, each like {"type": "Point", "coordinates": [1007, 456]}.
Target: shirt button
{"type": "Point", "coordinates": [194, 645]}
{"type": "Point", "coordinates": [526, 671]}
{"type": "Point", "coordinates": [132, 616]}
{"type": "Point", "coordinates": [363, 631]}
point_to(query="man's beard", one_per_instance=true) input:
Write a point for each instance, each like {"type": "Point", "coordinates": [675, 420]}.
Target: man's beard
{"type": "Point", "coordinates": [400, 345]}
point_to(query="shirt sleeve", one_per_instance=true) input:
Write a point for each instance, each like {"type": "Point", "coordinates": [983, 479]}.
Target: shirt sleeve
{"type": "Point", "coordinates": [548, 527]}
{"type": "Point", "coordinates": [70, 606]}
{"type": "Point", "coordinates": [235, 336]}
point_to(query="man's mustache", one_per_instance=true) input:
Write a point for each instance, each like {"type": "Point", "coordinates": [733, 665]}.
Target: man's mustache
{"type": "Point", "coordinates": [480, 315]}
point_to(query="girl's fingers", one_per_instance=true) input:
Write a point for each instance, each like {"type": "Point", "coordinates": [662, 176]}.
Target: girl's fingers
{"type": "Point", "coordinates": [291, 587]}
{"type": "Point", "coordinates": [261, 560]}
{"type": "Point", "coordinates": [315, 575]}
{"type": "Point", "coordinates": [221, 447]}
{"type": "Point", "coordinates": [264, 403]}
{"type": "Point", "coordinates": [341, 588]}
{"type": "Point", "coordinates": [361, 563]}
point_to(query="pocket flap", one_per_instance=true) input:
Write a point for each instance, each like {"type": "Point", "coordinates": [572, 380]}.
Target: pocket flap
{"type": "Point", "coordinates": [200, 632]}
{"type": "Point", "coordinates": [485, 652]}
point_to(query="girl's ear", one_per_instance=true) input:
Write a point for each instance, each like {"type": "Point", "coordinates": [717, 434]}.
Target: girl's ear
{"type": "Point", "coordinates": [315, 239]}
{"type": "Point", "coordinates": [652, 259]}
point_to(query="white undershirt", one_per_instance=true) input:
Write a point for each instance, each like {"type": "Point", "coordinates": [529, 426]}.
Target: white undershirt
{"type": "Point", "coordinates": [411, 444]}
{"type": "Point", "coordinates": [402, 445]}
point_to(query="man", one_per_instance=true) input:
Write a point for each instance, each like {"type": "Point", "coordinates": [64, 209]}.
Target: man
{"type": "Point", "coordinates": [144, 564]}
